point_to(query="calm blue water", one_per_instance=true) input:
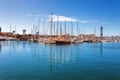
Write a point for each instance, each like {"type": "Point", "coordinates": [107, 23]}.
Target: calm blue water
{"type": "Point", "coordinates": [36, 61]}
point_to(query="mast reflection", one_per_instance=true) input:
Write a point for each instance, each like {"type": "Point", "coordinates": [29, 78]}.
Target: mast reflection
{"type": "Point", "coordinates": [101, 49]}
{"type": "Point", "coordinates": [60, 55]}
{"type": "Point", "coordinates": [0, 47]}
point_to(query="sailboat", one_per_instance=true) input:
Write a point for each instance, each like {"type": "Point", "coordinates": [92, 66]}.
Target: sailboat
{"type": "Point", "coordinates": [50, 40]}
{"type": "Point", "coordinates": [62, 39]}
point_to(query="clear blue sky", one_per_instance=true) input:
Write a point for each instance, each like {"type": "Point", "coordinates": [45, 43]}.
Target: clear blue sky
{"type": "Point", "coordinates": [23, 13]}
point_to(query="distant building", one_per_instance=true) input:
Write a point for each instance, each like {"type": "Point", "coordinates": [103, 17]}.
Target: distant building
{"type": "Point", "coordinates": [24, 31]}
{"type": "Point", "coordinates": [13, 32]}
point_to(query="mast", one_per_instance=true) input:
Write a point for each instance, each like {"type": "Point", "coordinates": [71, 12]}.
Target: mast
{"type": "Point", "coordinates": [65, 27]}
{"type": "Point", "coordinates": [51, 24]}
{"type": "Point", "coordinates": [57, 25]}
{"type": "Point", "coordinates": [71, 28]}
{"type": "Point", "coordinates": [54, 28]}
{"type": "Point", "coordinates": [10, 27]}
{"type": "Point", "coordinates": [77, 28]}
{"type": "Point", "coordinates": [39, 20]}
{"type": "Point", "coordinates": [33, 31]}
{"type": "Point", "coordinates": [95, 33]}
{"type": "Point", "coordinates": [43, 26]}
{"type": "Point", "coordinates": [60, 29]}
{"type": "Point", "coordinates": [15, 29]}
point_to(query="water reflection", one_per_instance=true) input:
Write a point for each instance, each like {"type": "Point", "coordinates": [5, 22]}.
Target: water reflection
{"type": "Point", "coordinates": [39, 60]}
{"type": "Point", "coordinates": [12, 47]}
{"type": "Point", "coordinates": [101, 49]}
{"type": "Point", "coordinates": [61, 55]}
{"type": "Point", "coordinates": [0, 46]}
{"type": "Point", "coordinates": [94, 49]}
{"type": "Point", "coordinates": [97, 46]}
{"type": "Point", "coordinates": [24, 44]}
{"type": "Point", "coordinates": [50, 58]}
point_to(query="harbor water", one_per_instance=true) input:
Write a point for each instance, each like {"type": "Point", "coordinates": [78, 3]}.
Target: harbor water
{"type": "Point", "coordinates": [21, 60]}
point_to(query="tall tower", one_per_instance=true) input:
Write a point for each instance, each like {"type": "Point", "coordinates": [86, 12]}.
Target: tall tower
{"type": "Point", "coordinates": [101, 32]}
{"type": "Point", "coordinates": [0, 29]}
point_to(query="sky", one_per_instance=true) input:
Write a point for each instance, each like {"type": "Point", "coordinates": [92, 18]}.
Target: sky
{"type": "Point", "coordinates": [91, 15]}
